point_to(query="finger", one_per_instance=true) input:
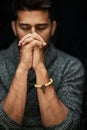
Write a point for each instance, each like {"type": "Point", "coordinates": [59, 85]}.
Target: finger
{"type": "Point", "coordinates": [31, 41]}
{"type": "Point", "coordinates": [38, 37]}
{"type": "Point", "coordinates": [26, 36]}
{"type": "Point", "coordinates": [35, 43]}
{"type": "Point", "coordinates": [26, 41]}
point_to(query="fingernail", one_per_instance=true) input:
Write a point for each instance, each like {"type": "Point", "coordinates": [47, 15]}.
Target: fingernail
{"type": "Point", "coordinates": [44, 43]}
{"type": "Point", "coordinates": [19, 44]}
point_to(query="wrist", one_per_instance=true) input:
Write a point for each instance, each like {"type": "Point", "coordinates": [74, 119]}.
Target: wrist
{"type": "Point", "coordinates": [23, 68]}
{"type": "Point", "coordinates": [43, 86]}
{"type": "Point", "coordinates": [41, 74]}
{"type": "Point", "coordinates": [40, 68]}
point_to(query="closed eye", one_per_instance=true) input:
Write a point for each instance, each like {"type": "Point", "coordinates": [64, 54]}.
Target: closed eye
{"type": "Point", "coordinates": [37, 26]}
{"type": "Point", "coordinates": [41, 27]}
{"type": "Point", "coordinates": [24, 26]}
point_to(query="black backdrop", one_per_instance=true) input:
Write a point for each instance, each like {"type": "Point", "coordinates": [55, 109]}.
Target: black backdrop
{"type": "Point", "coordinates": [71, 31]}
{"type": "Point", "coordinates": [70, 34]}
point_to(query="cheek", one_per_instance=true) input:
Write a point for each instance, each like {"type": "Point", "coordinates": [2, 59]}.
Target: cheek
{"type": "Point", "coordinates": [20, 34]}
{"type": "Point", "coordinates": [46, 36]}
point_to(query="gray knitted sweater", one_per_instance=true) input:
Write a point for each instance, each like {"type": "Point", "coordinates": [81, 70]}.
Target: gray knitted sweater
{"type": "Point", "coordinates": [68, 76]}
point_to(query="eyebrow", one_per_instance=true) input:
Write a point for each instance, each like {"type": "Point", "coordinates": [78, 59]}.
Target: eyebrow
{"type": "Point", "coordinates": [25, 24]}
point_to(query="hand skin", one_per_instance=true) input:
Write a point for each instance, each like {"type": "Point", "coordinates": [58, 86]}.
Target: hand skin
{"type": "Point", "coordinates": [53, 111]}
{"type": "Point", "coordinates": [28, 44]}
{"type": "Point", "coordinates": [14, 103]}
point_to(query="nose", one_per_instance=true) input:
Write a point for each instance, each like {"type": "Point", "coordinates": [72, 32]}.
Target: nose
{"type": "Point", "coordinates": [33, 29]}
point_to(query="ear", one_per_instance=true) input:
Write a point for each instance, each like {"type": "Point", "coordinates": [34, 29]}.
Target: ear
{"type": "Point", "coordinates": [54, 24]}
{"type": "Point", "coordinates": [13, 25]}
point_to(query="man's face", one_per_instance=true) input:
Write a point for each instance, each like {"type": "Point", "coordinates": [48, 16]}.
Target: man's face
{"type": "Point", "coordinates": [34, 21]}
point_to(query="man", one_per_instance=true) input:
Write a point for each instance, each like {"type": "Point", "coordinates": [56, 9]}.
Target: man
{"type": "Point", "coordinates": [40, 86]}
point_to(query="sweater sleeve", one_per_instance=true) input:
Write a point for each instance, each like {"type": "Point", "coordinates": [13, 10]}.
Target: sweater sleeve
{"type": "Point", "coordinates": [70, 93]}
{"type": "Point", "coordinates": [5, 121]}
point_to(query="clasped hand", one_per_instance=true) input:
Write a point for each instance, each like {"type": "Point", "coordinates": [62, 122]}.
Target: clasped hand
{"type": "Point", "coordinates": [31, 51]}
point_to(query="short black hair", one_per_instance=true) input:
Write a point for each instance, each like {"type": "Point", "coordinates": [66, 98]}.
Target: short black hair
{"type": "Point", "coordinates": [18, 5]}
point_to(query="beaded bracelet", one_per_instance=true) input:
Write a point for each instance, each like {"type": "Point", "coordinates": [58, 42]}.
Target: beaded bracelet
{"type": "Point", "coordinates": [44, 85]}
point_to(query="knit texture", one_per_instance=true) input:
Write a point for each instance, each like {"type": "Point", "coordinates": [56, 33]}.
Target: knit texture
{"type": "Point", "coordinates": [67, 73]}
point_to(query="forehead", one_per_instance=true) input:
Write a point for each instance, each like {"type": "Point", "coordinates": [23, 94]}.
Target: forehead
{"type": "Point", "coordinates": [33, 16]}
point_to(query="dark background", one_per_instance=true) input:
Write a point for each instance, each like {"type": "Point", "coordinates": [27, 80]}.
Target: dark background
{"type": "Point", "coordinates": [70, 34]}
{"type": "Point", "coordinates": [71, 31]}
